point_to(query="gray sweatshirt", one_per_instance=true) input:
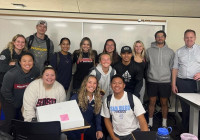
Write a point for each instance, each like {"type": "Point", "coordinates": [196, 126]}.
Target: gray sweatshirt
{"type": "Point", "coordinates": [39, 50]}
{"type": "Point", "coordinates": [160, 62]}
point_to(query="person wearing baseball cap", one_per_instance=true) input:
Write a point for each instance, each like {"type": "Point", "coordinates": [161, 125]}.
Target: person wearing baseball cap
{"type": "Point", "coordinates": [130, 71]}
{"type": "Point", "coordinates": [40, 45]}
{"type": "Point", "coordinates": [125, 49]}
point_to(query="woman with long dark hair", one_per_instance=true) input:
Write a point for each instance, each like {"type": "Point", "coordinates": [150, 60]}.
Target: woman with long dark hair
{"type": "Point", "coordinates": [110, 48]}
{"type": "Point", "coordinates": [62, 62]}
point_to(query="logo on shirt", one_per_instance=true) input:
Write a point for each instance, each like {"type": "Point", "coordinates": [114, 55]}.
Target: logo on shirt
{"type": "Point", "coordinates": [127, 76]}
{"type": "Point", "coordinates": [120, 109]}
{"type": "Point", "coordinates": [20, 86]}
{"type": "Point", "coordinates": [45, 101]}
{"type": "Point", "coordinates": [84, 60]}
{"type": "Point", "coordinates": [2, 57]}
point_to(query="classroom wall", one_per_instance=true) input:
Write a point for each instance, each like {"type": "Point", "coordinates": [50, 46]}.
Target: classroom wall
{"type": "Point", "coordinates": [175, 25]}
{"type": "Point", "coordinates": [175, 28]}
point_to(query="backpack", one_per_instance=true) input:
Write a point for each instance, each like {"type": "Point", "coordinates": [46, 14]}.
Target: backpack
{"type": "Point", "coordinates": [130, 100]}
{"type": "Point", "coordinates": [98, 74]}
{"type": "Point", "coordinates": [58, 59]}
{"type": "Point", "coordinates": [30, 42]}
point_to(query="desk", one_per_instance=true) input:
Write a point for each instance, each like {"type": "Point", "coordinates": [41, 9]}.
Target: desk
{"type": "Point", "coordinates": [86, 126]}
{"type": "Point", "coordinates": [193, 99]}
{"type": "Point", "coordinates": [77, 128]}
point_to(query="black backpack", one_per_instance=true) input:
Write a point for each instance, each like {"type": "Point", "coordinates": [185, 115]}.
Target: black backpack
{"type": "Point", "coordinates": [130, 99]}
{"type": "Point", "coordinates": [30, 42]}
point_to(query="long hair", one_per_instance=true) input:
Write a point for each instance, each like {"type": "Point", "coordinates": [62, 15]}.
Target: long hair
{"type": "Point", "coordinates": [115, 56]}
{"type": "Point", "coordinates": [11, 45]}
{"type": "Point", "coordinates": [143, 52]}
{"type": "Point", "coordinates": [90, 52]}
{"type": "Point", "coordinates": [83, 99]}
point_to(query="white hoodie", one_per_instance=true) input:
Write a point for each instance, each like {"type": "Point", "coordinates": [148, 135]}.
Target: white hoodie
{"type": "Point", "coordinates": [104, 82]}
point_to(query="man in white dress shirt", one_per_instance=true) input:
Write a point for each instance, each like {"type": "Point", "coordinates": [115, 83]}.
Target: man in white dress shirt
{"type": "Point", "coordinates": [186, 71]}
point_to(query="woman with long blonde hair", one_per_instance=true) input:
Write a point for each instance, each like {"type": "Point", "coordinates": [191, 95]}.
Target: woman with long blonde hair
{"type": "Point", "coordinates": [139, 60]}
{"type": "Point", "coordinates": [89, 101]}
{"type": "Point", "coordinates": [85, 58]}
{"type": "Point", "coordinates": [11, 55]}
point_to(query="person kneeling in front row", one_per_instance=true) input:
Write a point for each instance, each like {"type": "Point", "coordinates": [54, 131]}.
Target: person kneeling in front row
{"type": "Point", "coordinates": [126, 115]}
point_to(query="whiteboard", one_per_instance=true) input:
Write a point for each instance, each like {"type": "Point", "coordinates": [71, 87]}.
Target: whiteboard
{"type": "Point", "coordinates": [123, 32]}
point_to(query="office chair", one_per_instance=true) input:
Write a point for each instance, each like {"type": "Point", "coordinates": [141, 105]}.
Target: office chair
{"type": "Point", "coordinates": [37, 130]}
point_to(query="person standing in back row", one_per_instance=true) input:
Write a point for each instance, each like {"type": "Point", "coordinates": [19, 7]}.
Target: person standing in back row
{"type": "Point", "coordinates": [185, 72]}
{"type": "Point", "coordinates": [40, 45]}
{"type": "Point", "coordinates": [85, 58]}
{"type": "Point", "coordinates": [160, 61]}
{"type": "Point", "coordinates": [131, 72]}
{"type": "Point", "coordinates": [62, 63]}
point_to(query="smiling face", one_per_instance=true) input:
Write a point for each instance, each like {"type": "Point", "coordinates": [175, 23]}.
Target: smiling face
{"type": "Point", "coordinates": [110, 47]}
{"type": "Point", "coordinates": [118, 86]}
{"type": "Point", "coordinates": [126, 57]}
{"type": "Point", "coordinates": [138, 48]}
{"type": "Point", "coordinates": [91, 84]}
{"type": "Point", "coordinates": [85, 46]}
{"type": "Point", "coordinates": [189, 39]}
{"type": "Point", "coordinates": [65, 46]}
{"type": "Point", "coordinates": [41, 29]}
{"type": "Point", "coordinates": [105, 60]}
{"type": "Point", "coordinates": [19, 43]}
{"type": "Point", "coordinates": [26, 63]}
{"type": "Point", "coordinates": [49, 77]}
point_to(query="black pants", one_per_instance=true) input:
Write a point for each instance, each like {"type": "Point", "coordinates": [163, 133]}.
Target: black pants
{"type": "Point", "coordinates": [186, 86]}
{"type": "Point", "coordinates": [10, 113]}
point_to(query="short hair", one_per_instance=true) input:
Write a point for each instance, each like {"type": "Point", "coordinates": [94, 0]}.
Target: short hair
{"type": "Point", "coordinates": [65, 38]}
{"type": "Point", "coordinates": [26, 53]}
{"type": "Point", "coordinates": [117, 76]}
{"type": "Point", "coordinates": [189, 30]}
{"type": "Point", "coordinates": [49, 67]}
{"type": "Point", "coordinates": [161, 31]}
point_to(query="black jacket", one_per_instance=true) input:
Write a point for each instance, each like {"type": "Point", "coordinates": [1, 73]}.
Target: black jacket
{"type": "Point", "coordinates": [5, 59]}
{"type": "Point", "coordinates": [14, 84]}
{"type": "Point", "coordinates": [133, 76]}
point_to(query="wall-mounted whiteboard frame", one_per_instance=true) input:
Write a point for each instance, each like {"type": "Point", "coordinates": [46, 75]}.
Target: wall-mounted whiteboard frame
{"type": "Point", "coordinates": [124, 32]}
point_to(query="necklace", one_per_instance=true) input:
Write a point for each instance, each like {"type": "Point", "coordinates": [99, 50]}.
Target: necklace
{"type": "Point", "coordinates": [66, 58]}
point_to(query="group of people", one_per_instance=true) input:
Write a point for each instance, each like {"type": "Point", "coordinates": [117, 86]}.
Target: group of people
{"type": "Point", "coordinates": [107, 87]}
